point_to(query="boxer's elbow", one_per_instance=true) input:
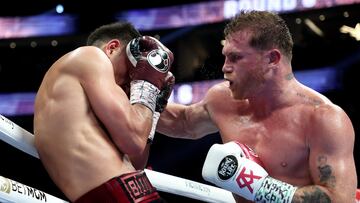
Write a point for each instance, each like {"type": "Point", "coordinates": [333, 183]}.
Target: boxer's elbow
{"type": "Point", "coordinates": [132, 145]}
{"type": "Point", "coordinates": [191, 133]}
{"type": "Point", "coordinates": [197, 130]}
{"type": "Point", "coordinates": [137, 142]}
{"type": "Point", "coordinates": [132, 141]}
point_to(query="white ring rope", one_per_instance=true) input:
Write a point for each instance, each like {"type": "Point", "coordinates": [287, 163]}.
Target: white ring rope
{"type": "Point", "coordinates": [188, 188]}
{"type": "Point", "coordinates": [15, 192]}
{"type": "Point", "coordinates": [12, 191]}
{"type": "Point", "coordinates": [17, 137]}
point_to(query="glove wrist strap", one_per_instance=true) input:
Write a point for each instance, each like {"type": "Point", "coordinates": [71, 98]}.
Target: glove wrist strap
{"type": "Point", "coordinates": [143, 92]}
{"type": "Point", "coordinates": [273, 190]}
{"type": "Point", "coordinates": [156, 117]}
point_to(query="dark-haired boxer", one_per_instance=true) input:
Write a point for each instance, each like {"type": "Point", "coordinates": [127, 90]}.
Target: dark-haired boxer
{"type": "Point", "coordinates": [92, 132]}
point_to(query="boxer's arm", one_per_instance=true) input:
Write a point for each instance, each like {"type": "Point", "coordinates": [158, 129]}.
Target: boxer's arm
{"type": "Point", "coordinates": [331, 143]}
{"type": "Point", "coordinates": [128, 125]}
{"type": "Point", "coordinates": [139, 161]}
{"type": "Point", "coordinates": [190, 121]}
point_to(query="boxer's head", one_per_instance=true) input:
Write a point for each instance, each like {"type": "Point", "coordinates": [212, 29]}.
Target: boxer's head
{"type": "Point", "coordinates": [268, 31]}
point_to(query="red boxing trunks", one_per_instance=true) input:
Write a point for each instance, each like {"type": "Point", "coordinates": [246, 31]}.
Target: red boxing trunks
{"type": "Point", "coordinates": [128, 188]}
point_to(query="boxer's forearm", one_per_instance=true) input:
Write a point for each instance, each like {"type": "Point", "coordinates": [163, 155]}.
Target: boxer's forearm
{"type": "Point", "coordinates": [187, 122]}
{"type": "Point", "coordinates": [170, 131]}
{"type": "Point", "coordinates": [308, 194]}
{"type": "Point", "coordinates": [313, 193]}
{"type": "Point", "coordinates": [140, 161]}
{"type": "Point", "coordinates": [172, 122]}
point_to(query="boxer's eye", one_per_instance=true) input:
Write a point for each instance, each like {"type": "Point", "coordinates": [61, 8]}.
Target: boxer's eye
{"type": "Point", "coordinates": [235, 57]}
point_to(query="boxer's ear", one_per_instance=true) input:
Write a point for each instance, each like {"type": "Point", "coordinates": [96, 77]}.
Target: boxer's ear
{"type": "Point", "coordinates": [274, 56]}
{"type": "Point", "coordinates": [111, 46]}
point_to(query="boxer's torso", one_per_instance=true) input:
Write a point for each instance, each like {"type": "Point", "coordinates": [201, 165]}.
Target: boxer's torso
{"type": "Point", "coordinates": [73, 146]}
{"type": "Point", "coordinates": [279, 138]}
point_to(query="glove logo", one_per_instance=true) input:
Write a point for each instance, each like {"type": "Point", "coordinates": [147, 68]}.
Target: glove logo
{"type": "Point", "coordinates": [227, 167]}
{"type": "Point", "coordinates": [245, 180]}
{"type": "Point", "coordinates": [5, 185]}
{"type": "Point", "coordinates": [159, 60]}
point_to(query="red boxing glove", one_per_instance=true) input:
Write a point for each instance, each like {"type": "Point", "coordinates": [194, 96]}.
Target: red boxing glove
{"type": "Point", "coordinates": [165, 93]}
{"type": "Point", "coordinates": [151, 60]}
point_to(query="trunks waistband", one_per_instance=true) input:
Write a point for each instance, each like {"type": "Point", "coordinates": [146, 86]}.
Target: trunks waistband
{"type": "Point", "coordinates": [137, 186]}
{"type": "Point", "coordinates": [132, 187]}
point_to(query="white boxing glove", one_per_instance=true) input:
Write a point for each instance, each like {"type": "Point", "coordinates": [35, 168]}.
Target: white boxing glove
{"type": "Point", "coordinates": [235, 167]}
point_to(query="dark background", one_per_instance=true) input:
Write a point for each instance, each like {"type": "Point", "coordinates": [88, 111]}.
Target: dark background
{"type": "Point", "coordinates": [22, 69]}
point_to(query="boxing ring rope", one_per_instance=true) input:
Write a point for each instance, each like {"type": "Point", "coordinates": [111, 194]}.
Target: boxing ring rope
{"type": "Point", "coordinates": [12, 191]}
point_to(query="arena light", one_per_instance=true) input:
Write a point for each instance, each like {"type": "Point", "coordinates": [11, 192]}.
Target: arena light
{"type": "Point", "coordinates": [352, 31]}
{"type": "Point", "coordinates": [185, 94]}
{"type": "Point", "coordinates": [313, 27]}
{"type": "Point", "coordinates": [37, 26]}
{"type": "Point", "coordinates": [59, 8]}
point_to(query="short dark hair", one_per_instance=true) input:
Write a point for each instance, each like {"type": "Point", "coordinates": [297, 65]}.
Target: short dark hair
{"type": "Point", "coordinates": [268, 29]}
{"type": "Point", "coordinates": [124, 31]}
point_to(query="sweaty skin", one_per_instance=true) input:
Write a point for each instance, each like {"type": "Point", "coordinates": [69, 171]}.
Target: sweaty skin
{"type": "Point", "coordinates": [79, 97]}
{"type": "Point", "coordinates": [301, 137]}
